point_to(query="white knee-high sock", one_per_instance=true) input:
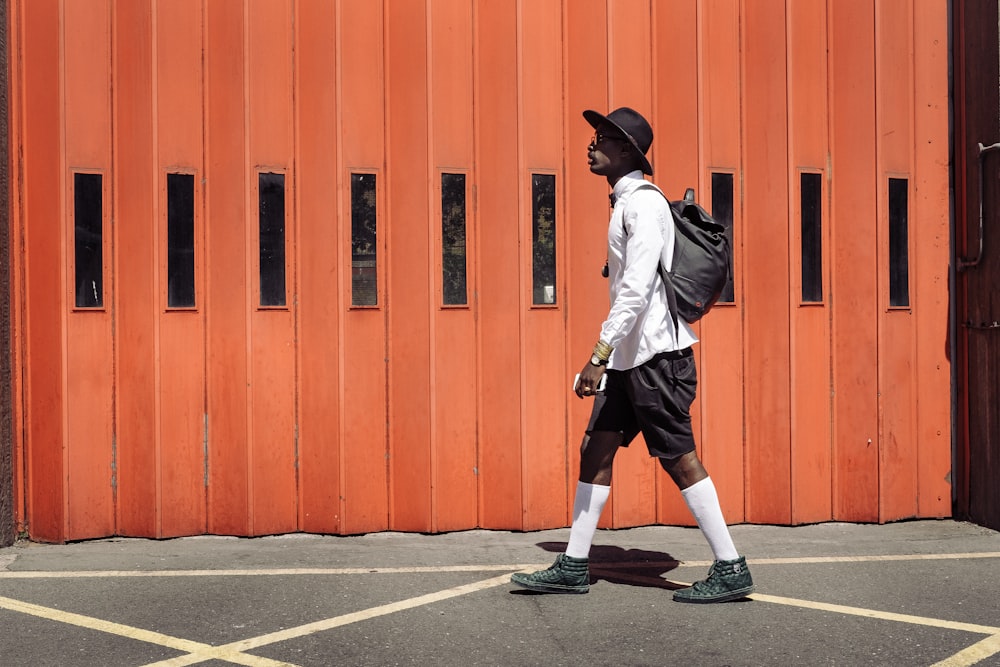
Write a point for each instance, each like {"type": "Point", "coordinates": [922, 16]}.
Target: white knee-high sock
{"type": "Point", "coordinates": [703, 501]}
{"type": "Point", "coordinates": [587, 507]}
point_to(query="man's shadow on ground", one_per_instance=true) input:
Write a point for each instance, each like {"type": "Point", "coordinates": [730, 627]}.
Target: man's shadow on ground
{"type": "Point", "coordinates": [632, 567]}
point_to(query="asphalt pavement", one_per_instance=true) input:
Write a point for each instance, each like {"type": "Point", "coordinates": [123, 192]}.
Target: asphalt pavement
{"type": "Point", "coordinates": [909, 593]}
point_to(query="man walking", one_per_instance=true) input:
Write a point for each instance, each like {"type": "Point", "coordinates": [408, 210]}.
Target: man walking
{"type": "Point", "coordinates": [651, 376]}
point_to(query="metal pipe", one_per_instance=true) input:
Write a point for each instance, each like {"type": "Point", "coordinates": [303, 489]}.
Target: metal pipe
{"type": "Point", "coordinates": [966, 263]}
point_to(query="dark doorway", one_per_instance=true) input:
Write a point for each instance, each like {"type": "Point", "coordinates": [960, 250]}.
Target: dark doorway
{"type": "Point", "coordinates": [976, 71]}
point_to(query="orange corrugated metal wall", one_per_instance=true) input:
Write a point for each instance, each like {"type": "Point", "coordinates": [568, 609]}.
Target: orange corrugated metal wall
{"type": "Point", "coordinates": [230, 417]}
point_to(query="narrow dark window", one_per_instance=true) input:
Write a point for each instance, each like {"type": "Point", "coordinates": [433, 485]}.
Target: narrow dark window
{"type": "Point", "coordinates": [88, 221]}
{"type": "Point", "coordinates": [543, 237]}
{"type": "Point", "coordinates": [364, 240]}
{"type": "Point", "coordinates": [271, 203]}
{"type": "Point", "coordinates": [811, 201]}
{"type": "Point", "coordinates": [453, 264]}
{"type": "Point", "coordinates": [180, 241]}
{"type": "Point", "coordinates": [899, 249]}
{"type": "Point", "coordinates": [722, 211]}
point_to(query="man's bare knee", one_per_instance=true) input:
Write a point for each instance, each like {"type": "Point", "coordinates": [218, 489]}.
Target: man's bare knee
{"type": "Point", "coordinates": [685, 470]}
{"type": "Point", "coordinates": [597, 456]}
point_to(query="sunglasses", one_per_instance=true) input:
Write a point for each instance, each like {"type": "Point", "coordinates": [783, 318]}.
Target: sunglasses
{"type": "Point", "coordinates": [598, 138]}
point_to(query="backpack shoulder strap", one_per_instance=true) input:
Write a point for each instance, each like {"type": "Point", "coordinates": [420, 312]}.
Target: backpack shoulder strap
{"type": "Point", "coordinates": [664, 274]}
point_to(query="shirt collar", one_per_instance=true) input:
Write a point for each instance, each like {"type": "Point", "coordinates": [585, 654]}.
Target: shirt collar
{"type": "Point", "coordinates": [627, 183]}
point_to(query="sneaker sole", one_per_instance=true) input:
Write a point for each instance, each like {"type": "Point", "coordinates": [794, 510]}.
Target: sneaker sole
{"type": "Point", "coordinates": [543, 588]}
{"type": "Point", "coordinates": [727, 597]}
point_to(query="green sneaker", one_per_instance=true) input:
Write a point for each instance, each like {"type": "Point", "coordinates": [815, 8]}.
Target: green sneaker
{"type": "Point", "coordinates": [727, 580]}
{"type": "Point", "coordinates": [567, 575]}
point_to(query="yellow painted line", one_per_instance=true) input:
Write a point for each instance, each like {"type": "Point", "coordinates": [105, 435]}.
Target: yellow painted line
{"type": "Point", "coordinates": [220, 653]}
{"type": "Point", "coordinates": [872, 613]}
{"type": "Point", "coordinates": [234, 652]}
{"type": "Point", "coordinates": [84, 574]}
{"type": "Point", "coordinates": [139, 634]}
{"type": "Point", "coordinates": [978, 652]}
{"type": "Point", "coordinates": [373, 612]}
{"type": "Point", "coordinates": [872, 559]}
{"type": "Point", "coordinates": [334, 622]}
{"type": "Point", "coordinates": [973, 654]}
{"type": "Point", "coordinates": [509, 567]}
{"type": "Point", "coordinates": [99, 625]}
{"type": "Point", "coordinates": [970, 656]}
{"type": "Point", "coordinates": [814, 560]}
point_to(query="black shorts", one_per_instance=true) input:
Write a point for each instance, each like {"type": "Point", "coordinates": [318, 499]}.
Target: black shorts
{"type": "Point", "coordinates": [653, 398]}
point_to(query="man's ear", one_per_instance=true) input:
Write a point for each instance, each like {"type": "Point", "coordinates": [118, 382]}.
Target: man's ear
{"type": "Point", "coordinates": [630, 156]}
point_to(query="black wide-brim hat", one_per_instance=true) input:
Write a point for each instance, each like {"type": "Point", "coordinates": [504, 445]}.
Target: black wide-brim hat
{"type": "Point", "coordinates": [632, 126]}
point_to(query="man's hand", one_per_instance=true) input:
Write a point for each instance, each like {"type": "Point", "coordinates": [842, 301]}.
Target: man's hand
{"type": "Point", "coordinates": [589, 377]}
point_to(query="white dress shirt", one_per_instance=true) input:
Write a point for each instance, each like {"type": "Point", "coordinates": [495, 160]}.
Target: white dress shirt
{"type": "Point", "coordinates": [640, 234]}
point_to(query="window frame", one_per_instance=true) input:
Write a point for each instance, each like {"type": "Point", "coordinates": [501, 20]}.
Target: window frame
{"type": "Point", "coordinates": [440, 239]}
{"type": "Point", "coordinates": [820, 237]}
{"type": "Point", "coordinates": [256, 238]}
{"type": "Point", "coordinates": [906, 242]}
{"type": "Point", "coordinates": [105, 242]}
{"type": "Point", "coordinates": [165, 236]}
{"type": "Point", "coordinates": [730, 228]}
{"type": "Point", "coordinates": [531, 234]}
{"type": "Point", "coordinates": [378, 245]}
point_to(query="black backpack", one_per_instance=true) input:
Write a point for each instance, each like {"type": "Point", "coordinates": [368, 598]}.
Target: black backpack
{"type": "Point", "coordinates": [701, 263]}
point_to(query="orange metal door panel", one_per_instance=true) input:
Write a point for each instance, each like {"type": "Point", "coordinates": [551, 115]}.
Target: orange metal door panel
{"type": "Point", "coordinates": [181, 335]}
{"type": "Point", "coordinates": [455, 499]}
{"type": "Point", "coordinates": [226, 263]}
{"type": "Point", "coordinates": [88, 346]}
{"type": "Point", "coordinates": [411, 383]}
{"type": "Point", "coordinates": [89, 455]}
{"type": "Point", "coordinates": [810, 320]}
{"type": "Point", "coordinates": [45, 292]}
{"type": "Point", "coordinates": [363, 339]}
{"type": "Point", "coordinates": [499, 301]}
{"type": "Point", "coordinates": [853, 261]}
{"type": "Point", "coordinates": [894, 129]}
{"type": "Point", "coordinates": [135, 199]}
{"type": "Point", "coordinates": [930, 274]}
{"type": "Point", "coordinates": [544, 373]}
{"type": "Point", "coordinates": [181, 483]}
{"type": "Point", "coordinates": [272, 334]}
{"type": "Point", "coordinates": [766, 285]}
{"type": "Point", "coordinates": [321, 294]}
{"type": "Point", "coordinates": [721, 373]}
{"type": "Point", "coordinates": [630, 66]}
{"type": "Point", "coordinates": [719, 81]}
{"type": "Point", "coordinates": [455, 384]}
{"type": "Point", "coordinates": [710, 131]}
{"type": "Point", "coordinates": [273, 424]}
{"type": "Point", "coordinates": [586, 213]}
